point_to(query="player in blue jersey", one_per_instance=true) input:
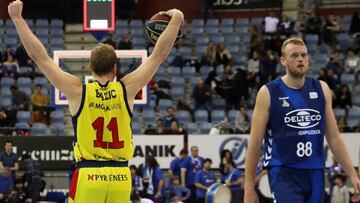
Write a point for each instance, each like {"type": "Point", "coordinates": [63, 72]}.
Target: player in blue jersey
{"type": "Point", "coordinates": [292, 115]}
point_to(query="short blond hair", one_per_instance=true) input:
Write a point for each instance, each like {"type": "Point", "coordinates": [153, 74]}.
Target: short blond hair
{"type": "Point", "coordinates": [103, 59]}
{"type": "Point", "coordinates": [293, 40]}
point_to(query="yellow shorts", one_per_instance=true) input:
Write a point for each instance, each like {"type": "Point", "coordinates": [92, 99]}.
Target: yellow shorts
{"type": "Point", "coordinates": [100, 185]}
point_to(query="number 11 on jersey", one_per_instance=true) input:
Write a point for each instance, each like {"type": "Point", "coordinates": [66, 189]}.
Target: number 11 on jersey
{"type": "Point", "coordinates": [98, 125]}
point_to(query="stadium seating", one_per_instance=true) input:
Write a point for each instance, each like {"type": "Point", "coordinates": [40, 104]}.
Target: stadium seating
{"type": "Point", "coordinates": [38, 129]}
{"type": "Point", "coordinates": [23, 116]}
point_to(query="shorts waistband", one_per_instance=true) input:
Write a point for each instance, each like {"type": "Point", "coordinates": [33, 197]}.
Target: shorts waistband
{"type": "Point", "coordinates": [96, 164]}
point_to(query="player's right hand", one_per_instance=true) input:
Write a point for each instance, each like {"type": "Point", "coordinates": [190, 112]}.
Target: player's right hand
{"type": "Point", "coordinates": [15, 9]}
{"type": "Point", "coordinates": [251, 196]}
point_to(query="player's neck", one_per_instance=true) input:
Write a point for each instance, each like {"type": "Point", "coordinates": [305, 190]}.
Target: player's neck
{"type": "Point", "coordinates": [103, 79]}
{"type": "Point", "coordinates": [292, 82]}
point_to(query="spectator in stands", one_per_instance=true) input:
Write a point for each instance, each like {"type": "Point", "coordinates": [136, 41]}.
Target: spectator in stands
{"type": "Point", "coordinates": [228, 89]}
{"type": "Point", "coordinates": [313, 25]}
{"type": "Point", "coordinates": [299, 25]}
{"type": "Point", "coordinates": [9, 159]}
{"type": "Point", "coordinates": [6, 182]}
{"type": "Point", "coordinates": [334, 169]}
{"type": "Point", "coordinates": [137, 185]}
{"type": "Point", "coordinates": [10, 67]}
{"type": "Point", "coordinates": [331, 79]}
{"type": "Point", "coordinates": [336, 62]}
{"type": "Point", "coordinates": [39, 101]}
{"type": "Point", "coordinates": [234, 180]}
{"type": "Point", "coordinates": [8, 51]}
{"type": "Point", "coordinates": [32, 176]}
{"type": "Point", "coordinates": [153, 175]}
{"type": "Point", "coordinates": [322, 74]}
{"type": "Point", "coordinates": [22, 57]}
{"type": "Point", "coordinates": [224, 154]}
{"type": "Point", "coordinates": [253, 68]}
{"type": "Point", "coordinates": [286, 26]}
{"type": "Point", "coordinates": [170, 117]}
{"type": "Point", "coordinates": [125, 42]}
{"type": "Point", "coordinates": [209, 55]}
{"type": "Point", "coordinates": [174, 198]}
{"type": "Point", "coordinates": [340, 192]}
{"type": "Point", "coordinates": [18, 194]}
{"type": "Point", "coordinates": [268, 67]}
{"type": "Point", "coordinates": [343, 125]}
{"type": "Point", "coordinates": [271, 24]}
{"type": "Point", "coordinates": [352, 62]}
{"type": "Point", "coordinates": [202, 96]}
{"type": "Point", "coordinates": [19, 99]}
{"type": "Point", "coordinates": [242, 121]}
{"type": "Point", "coordinates": [182, 105]}
{"type": "Point", "coordinates": [331, 28]}
{"type": "Point", "coordinates": [158, 130]}
{"type": "Point", "coordinates": [256, 38]}
{"type": "Point", "coordinates": [222, 128]}
{"type": "Point", "coordinates": [158, 93]}
{"type": "Point", "coordinates": [109, 40]}
{"type": "Point", "coordinates": [355, 24]}
{"type": "Point", "coordinates": [356, 128]}
{"type": "Point", "coordinates": [175, 129]}
{"type": "Point", "coordinates": [343, 97]}
{"type": "Point", "coordinates": [223, 55]}
{"type": "Point", "coordinates": [189, 167]}
{"type": "Point", "coordinates": [135, 198]}
{"type": "Point", "coordinates": [203, 180]}
{"type": "Point", "coordinates": [175, 165]}
{"type": "Point", "coordinates": [176, 188]}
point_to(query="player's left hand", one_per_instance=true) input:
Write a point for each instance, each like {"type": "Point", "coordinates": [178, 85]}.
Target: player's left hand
{"type": "Point", "coordinates": [15, 9]}
{"type": "Point", "coordinates": [356, 185]}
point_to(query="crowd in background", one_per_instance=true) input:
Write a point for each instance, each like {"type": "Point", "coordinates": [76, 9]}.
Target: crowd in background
{"type": "Point", "coordinates": [15, 188]}
{"type": "Point", "coordinates": [235, 84]}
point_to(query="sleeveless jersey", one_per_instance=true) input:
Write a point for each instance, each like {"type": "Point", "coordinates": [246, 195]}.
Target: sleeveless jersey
{"type": "Point", "coordinates": [295, 131]}
{"type": "Point", "coordinates": [103, 124]}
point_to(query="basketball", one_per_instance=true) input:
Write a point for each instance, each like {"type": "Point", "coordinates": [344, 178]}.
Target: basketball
{"type": "Point", "coordinates": [156, 25]}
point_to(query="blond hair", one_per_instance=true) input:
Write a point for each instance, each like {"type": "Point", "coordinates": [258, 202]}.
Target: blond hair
{"type": "Point", "coordinates": [103, 59]}
{"type": "Point", "coordinates": [293, 40]}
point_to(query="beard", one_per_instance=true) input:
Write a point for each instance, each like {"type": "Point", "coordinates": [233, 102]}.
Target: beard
{"type": "Point", "coordinates": [298, 73]}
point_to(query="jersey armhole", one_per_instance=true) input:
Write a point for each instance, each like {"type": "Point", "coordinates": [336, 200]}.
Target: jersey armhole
{"type": "Point", "coordinates": [270, 99]}
{"type": "Point", "coordinates": [125, 98]}
{"type": "Point", "coordinates": [322, 94]}
{"type": "Point", "coordinates": [83, 94]}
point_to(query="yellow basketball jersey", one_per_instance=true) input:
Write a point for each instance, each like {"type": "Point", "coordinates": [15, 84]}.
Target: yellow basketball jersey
{"type": "Point", "coordinates": [103, 124]}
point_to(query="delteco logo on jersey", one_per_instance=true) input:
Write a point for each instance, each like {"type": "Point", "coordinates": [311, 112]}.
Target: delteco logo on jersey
{"type": "Point", "coordinates": [302, 118]}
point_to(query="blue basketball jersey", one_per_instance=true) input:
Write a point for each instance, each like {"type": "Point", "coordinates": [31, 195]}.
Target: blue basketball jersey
{"type": "Point", "coordinates": [295, 131]}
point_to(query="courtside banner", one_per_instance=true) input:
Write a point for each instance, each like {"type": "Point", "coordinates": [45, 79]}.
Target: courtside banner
{"type": "Point", "coordinates": [211, 146]}
{"type": "Point", "coordinates": [164, 147]}
{"type": "Point", "coordinates": [56, 153]}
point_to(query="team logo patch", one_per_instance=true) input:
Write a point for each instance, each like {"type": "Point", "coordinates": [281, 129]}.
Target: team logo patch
{"type": "Point", "coordinates": [302, 118]}
{"type": "Point", "coordinates": [313, 95]}
{"type": "Point", "coordinates": [284, 102]}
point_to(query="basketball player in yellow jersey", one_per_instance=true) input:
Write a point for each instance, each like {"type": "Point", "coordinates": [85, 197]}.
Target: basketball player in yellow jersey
{"type": "Point", "coordinates": [101, 110]}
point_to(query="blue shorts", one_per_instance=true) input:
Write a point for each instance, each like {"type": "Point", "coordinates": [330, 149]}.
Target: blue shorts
{"type": "Point", "coordinates": [296, 185]}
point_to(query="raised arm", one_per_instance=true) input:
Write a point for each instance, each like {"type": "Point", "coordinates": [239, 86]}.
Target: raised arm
{"type": "Point", "coordinates": [337, 144]}
{"type": "Point", "coordinates": [259, 121]}
{"type": "Point", "coordinates": [65, 82]}
{"type": "Point", "coordinates": [140, 77]}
